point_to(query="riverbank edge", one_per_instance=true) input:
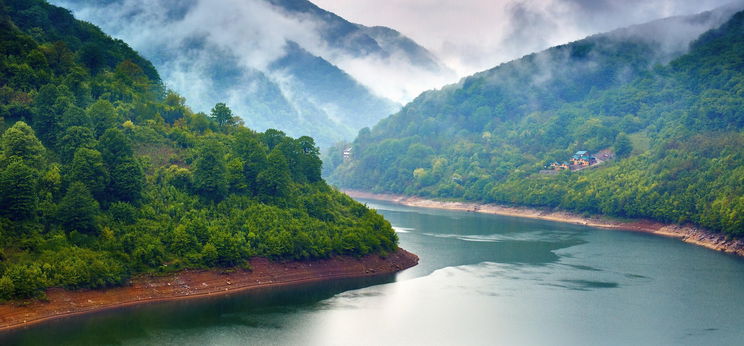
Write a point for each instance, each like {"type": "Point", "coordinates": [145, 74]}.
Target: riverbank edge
{"type": "Point", "coordinates": [687, 233]}
{"type": "Point", "coordinates": [189, 284]}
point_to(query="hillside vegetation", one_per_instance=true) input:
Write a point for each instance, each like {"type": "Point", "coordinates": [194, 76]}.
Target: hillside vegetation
{"type": "Point", "coordinates": [105, 174]}
{"type": "Point", "coordinates": [675, 122]}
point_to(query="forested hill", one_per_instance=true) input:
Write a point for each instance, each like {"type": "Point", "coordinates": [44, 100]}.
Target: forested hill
{"type": "Point", "coordinates": [103, 174]}
{"type": "Point", "coordinates": [676, 127]}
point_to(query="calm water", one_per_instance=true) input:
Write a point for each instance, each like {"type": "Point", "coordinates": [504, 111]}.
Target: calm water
{"type": "Point", "coordinates": [483, 280]}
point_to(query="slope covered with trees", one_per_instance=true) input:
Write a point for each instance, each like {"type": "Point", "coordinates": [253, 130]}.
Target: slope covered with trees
{"type": "Point", "coordinates": [104, 174]}
{"type": "Point", "coordinates": [674, 120]}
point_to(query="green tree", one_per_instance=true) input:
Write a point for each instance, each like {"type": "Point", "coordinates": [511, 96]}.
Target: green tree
{"type": "Point", "coordinates": [28, 281]}
{"type": "Point", "coordinates": [78, 210]}
{"type": "Point", "coordinates": [74, 138]}
{"type": "Point", "coordinates": [75, 116]}
{"type": "Point", "coordinates": [18, 191]}
{"type": "Point", "coordinates": [274, 181]}
{"type": "Point", "coordinates": [87, 167]}
{"type": "Point", "coordinates": [47, 119]}
{"type": "Point", "coordinates": [623, 146]}
{"type": "Point", "coordinates": [273, 137]}
{"type": "Point", "coordinates": [127, 180]}
{"type": "Point", "coordinates": [20, 141]}
{"type": "Point", "coordinates": [127, 176]}
{"type": "Point", "coordinates": [210, 172]}
{"type": "Point", "coordinates": [103, 115]}
{"type": "Point", "coordinates": [222, 115]}
{"type": "Point", "coordinates": [114, 146]}
{"type": "Point", "coordinates": [310, 162]}
{"type": "Point", "coordinates": [253, 154]}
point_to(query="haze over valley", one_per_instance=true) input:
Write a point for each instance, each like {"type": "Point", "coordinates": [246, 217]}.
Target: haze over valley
{"type": "Point", "coordinates": [520, 172]}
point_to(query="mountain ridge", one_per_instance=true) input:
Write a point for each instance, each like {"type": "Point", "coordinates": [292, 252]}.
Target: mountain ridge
{"type": "Point", "coordinates": [486, 137]}
{"type": "Point", "coordinates": [254, 46]}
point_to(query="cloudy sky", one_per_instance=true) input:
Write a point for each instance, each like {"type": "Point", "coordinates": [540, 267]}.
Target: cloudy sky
{"type": "Point", "coordinates": [473, 35]}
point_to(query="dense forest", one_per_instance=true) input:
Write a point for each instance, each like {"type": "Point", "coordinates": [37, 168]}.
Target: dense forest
{"type": "Point", "coordinates": [104, 173]}
{"type": "Point", "coordinates": [674, 120]}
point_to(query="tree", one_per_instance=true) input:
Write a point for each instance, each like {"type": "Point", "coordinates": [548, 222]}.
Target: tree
{"type": "Point", "coordinates": [273, 182]}
{"type": "Point", "coordinates": [623, 146]}
{"type": "Point", "coordinates": [28, 280]}
{"type": "Point", "coordinates": [74, 138]}
{"type": "Point", "coordinates": [20, 141]}
{"type": "Point", "coordinates": [18, 191]}
{"type": "Point", "coordinates": [46, 118]}
{"type": "Point", "coordinates": [87, 167]}
{"type": "Point", "coordinates": [127, 177]}
{"type": "Point", "coordinates": [310, 162]}
{"type": "Point", "coordinates": [174, 107]}
{"type": "Point", "coordinates": [78, 210]}
{"type": "Point", "coordinates": [127, 180]}
{"type": "Point", "coordinates": [93, 56]}
{"type": "Point", "coordinates": [273, 137]}
{"type": "Point", "coordinates": [222, 115]}
{"type": "Point", "coordinates": [210, 173]}
{"type": "Point", "coordinates": [103, 116]}
{"type": "Point", "coordinates": [75, 116]}
{"type": "Point", "coordinates": [114, 146]}
{"type": "Point", "coordinates": [252, 153]}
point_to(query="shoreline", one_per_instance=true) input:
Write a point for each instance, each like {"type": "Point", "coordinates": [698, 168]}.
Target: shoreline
{"type": "Point", "coordinates": [688, 233]}
{"type": "Point", "coordinates": [190, 284]}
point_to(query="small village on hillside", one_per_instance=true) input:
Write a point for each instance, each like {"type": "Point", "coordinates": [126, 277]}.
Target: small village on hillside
{"type": "Point", "coordinates": [580, 160]}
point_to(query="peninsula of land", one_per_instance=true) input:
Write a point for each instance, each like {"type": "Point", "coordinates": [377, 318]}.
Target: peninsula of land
{"type": "Point", "coordinates": [199, 283]}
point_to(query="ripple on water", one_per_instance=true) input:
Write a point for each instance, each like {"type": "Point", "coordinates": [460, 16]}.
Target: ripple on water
{"type": "Point", "coordinates": [539, 235]}
{"type": "Point", "coordinates": [402, 229]}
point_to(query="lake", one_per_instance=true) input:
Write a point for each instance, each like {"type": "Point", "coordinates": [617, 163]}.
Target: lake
{"type": "Point", "coordinates": [482, 280]}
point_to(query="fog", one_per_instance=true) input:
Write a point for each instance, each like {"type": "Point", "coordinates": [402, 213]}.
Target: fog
{"type": "Point", "coordinates": [232, 50]}
{"type": "Point", "coordinates": [473, 35]}
{"type": "Point", "coordinates": [254, 32]}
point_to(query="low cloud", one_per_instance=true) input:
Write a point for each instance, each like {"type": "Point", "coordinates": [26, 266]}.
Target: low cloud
{"type": "Point", "coordinates": [254, 32]}
{"type": "Point", "coordinates": [474, 35]}
{"type": "Point", "coordinates": [466, 35]}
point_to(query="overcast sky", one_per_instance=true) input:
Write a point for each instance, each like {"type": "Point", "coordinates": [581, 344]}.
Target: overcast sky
{"type": "Point", "coordinates": [473, 35]}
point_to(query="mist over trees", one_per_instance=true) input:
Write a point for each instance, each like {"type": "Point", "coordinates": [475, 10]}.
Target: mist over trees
{"type": "Point", "coordinates": [674, 121]}
{"type": "Point", "coordinates": [284, 64]}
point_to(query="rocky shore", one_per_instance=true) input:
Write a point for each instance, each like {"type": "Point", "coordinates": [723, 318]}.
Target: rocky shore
{"type": "Point", "coordinates": [687, 233]}
{"type": "Point", "coordinates": [198, 283]}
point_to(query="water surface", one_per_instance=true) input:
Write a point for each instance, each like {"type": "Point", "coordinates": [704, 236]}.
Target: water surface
{"type": "Point", "coordinates": [482, 280]}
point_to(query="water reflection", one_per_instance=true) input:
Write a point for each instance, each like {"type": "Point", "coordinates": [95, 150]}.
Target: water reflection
{"type": "Point", "coordinates": [482, 280]}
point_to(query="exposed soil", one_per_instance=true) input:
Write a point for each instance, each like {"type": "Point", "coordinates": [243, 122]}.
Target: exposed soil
{"type": "Point", "coordinates": [199, 283]}
{"type": "Point", "coordinates": [687, 233]}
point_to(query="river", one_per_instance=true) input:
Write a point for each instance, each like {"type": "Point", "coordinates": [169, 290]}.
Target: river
{"type": "Point", "coordinates": [482, 280]}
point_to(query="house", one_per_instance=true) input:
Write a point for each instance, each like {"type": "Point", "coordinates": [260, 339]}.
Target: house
{"type": "Point", "coordinates": [579, 160]}
{"type": "Point", "coordinates": [583, 158]}
{"type": "Point", "coordinates": [558, 166]}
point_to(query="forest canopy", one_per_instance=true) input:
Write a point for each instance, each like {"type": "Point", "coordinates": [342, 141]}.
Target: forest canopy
{"type": "Point", "coordinates": [105, 174]}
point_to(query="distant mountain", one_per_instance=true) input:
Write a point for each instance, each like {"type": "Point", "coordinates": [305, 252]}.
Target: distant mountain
{"type": "Point", "coordinates": [276, 63]}
{"type": "Point", "coordinates": [665, 96]}
{"type": "Point", "coordinates": [360, 40]}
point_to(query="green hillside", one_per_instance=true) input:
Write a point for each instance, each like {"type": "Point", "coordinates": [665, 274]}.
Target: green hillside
{"type": "Point", "coordinates": [104, 174]}
{"type": "Point", "coordinates": [675, 122]}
